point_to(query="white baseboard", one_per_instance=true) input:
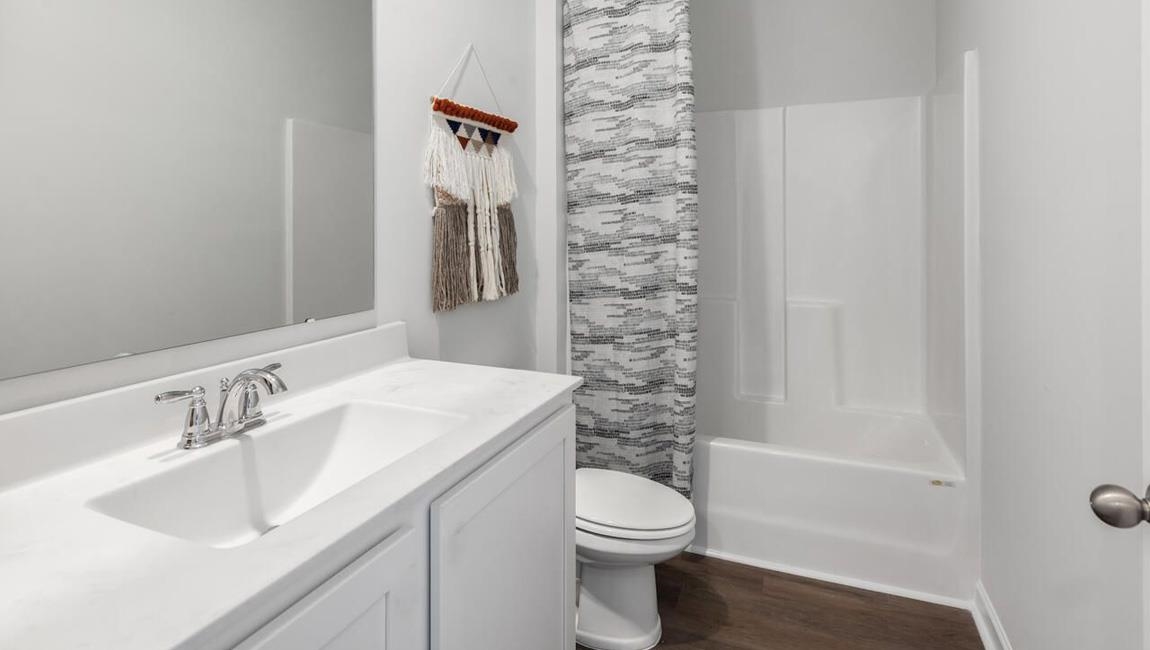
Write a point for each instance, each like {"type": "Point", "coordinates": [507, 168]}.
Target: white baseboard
{"type": "Point", "coordinates": [841, 580]}
{"type": "Point", "coordinates": [989, 626]}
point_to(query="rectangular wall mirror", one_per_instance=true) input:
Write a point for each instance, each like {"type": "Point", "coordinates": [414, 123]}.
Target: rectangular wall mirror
{"type": "Point", "coordinates": [173, 172]}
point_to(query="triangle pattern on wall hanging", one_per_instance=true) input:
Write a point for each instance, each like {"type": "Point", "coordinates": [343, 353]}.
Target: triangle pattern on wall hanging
{"type": "Point", "coordinates": [473, 138]}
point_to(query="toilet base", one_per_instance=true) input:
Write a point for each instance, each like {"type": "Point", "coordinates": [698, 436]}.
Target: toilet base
{"type": "Point", "coordinates": [618, 609]}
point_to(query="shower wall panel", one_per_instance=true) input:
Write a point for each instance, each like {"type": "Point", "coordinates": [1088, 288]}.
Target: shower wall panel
{"type": "Point", "coordinates": [813, 273]}
{"type": "Point", "coordinates": [855, 237]}
{"type": "Point", "coordinates": [742, 246]}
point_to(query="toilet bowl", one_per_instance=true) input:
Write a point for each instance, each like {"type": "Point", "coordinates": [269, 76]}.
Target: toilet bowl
{"type": "Point", "coordinates": [624, 526]}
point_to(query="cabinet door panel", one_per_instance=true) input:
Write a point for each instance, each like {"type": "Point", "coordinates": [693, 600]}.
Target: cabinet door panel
{"type": "Point", "coordinates": [369, 605]}
{"type": "Point", "coordinates": [502, 548]}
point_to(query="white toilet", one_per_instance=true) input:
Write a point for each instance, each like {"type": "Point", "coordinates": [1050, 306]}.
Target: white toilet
{"type": "Point", "coordinates": [624, 526]}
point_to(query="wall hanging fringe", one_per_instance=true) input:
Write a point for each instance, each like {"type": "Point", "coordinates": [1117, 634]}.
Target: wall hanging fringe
{"type": "Point", "coordinates": [473, 178]}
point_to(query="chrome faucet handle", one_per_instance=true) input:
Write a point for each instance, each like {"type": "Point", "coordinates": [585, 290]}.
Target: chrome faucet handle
{"type": "Point", "coordinates": [250, 403]}
{"type": "Point", "coordinates": [173, 396]}
{"type": "Point", "coordinates": [198, 430]}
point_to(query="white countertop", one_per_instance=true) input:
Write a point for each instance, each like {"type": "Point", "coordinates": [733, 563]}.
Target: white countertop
{"type": "Point", "coordinates": [73, 578]}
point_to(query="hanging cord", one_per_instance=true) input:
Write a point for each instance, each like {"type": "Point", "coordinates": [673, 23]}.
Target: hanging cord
{"type": "Point", "coordinates": [459, 65]}
{"type": "Point", "coordinates": [455, 68]}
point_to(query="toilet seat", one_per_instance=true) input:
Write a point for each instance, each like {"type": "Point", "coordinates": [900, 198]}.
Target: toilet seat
{"type": "Point", "coordinates": [623, 506]}
{"type": "Point", "coordinates": [615, 532]}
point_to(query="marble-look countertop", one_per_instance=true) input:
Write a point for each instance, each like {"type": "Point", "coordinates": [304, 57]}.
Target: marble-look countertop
{"type": "Point", "coordinates": [71, 577]}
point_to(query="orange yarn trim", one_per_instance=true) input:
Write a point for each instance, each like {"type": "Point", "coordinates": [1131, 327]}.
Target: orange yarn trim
{"type": "Point", "coordinates": [455, 109]}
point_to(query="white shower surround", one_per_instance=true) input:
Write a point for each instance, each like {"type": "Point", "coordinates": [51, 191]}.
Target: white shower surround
{"type": "Point", "coordinates": [831, 344]}
{"type": "Point", "coordinates": [820, 316]}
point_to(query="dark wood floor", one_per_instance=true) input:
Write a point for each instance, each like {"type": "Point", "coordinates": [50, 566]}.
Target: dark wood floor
{"type": "Point", "coordinates": [708, 604]}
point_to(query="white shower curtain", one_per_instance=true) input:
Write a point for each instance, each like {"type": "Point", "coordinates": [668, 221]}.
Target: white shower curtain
{"type": "Point", "coordinates": [632, 234]}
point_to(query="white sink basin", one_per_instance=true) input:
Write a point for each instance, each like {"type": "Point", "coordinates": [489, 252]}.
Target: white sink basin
{"type": "Point", "coordinates": [235, 491]}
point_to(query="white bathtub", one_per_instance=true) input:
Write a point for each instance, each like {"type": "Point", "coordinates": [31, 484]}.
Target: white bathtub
{"type": "Point", "coordinates": [883, 524]}
{"type": "Point", "coordinates": [831, 352]}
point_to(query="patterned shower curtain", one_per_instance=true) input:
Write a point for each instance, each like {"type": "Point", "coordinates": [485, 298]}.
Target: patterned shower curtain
{"type": "Point", "coordinates": [632, 204]}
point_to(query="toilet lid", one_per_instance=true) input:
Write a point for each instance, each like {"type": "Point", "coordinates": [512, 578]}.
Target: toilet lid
{"type": "Point", "coordinates": [628, 502]}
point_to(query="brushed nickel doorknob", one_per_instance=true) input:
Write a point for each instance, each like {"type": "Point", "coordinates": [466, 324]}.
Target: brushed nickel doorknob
{"type": "Point", "coordinates": [1119, 507]}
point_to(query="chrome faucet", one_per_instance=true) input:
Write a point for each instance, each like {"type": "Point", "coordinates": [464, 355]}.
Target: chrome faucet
{"type": "Point", "coordinates": [239, 406]}
{"type": "Point", "coordinates": [240, 398]}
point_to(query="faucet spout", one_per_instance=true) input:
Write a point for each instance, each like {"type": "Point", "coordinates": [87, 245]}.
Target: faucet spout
{"type": "Point", "coordinates": [271, 382]}
{"type": "Point", "coordinates": [240, 400]}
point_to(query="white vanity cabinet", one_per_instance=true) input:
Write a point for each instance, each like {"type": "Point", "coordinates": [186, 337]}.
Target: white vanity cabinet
{"type": "Point", "coordinates": [501, 559]}
{"type": "Point", "coordinates": [375, 603]}
{"type": "Point", "coordinates": [503, 548]}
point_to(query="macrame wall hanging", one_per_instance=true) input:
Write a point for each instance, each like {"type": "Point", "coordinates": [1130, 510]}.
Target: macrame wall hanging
{"type": "Point", "coordinates": [473, 179]}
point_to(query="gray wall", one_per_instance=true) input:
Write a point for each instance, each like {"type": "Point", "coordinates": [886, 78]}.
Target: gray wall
{"type": "Point", "coordinates": [142, 165]}
{"type": "Point", "coordinates": [418, 43]}
{"type": "Point", "coordinates": [764, 53]}
{"type": "Point", "coordinates": [1061, 147]}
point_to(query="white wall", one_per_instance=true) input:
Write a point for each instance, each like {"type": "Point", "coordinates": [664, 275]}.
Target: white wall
{"type": "Point", "coordinates": [551, 191]}
{"type": "Point", "coordinates": [142, 158]}
{"type": "Point", "coordinates": [418, 43]}
{"type": "Point", "coordinates": [764, 53]}
{"type": "Point", "coordinates": [1061, 310]}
